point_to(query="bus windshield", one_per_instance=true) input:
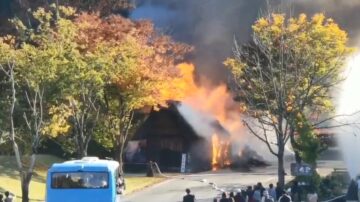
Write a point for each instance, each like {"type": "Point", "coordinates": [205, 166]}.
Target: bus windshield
{"type": "Point", "coordinates": [80, 180]}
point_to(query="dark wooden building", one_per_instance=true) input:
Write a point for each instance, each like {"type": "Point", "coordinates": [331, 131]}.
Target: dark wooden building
{"type": "Point", "coordinates": [165, 137]}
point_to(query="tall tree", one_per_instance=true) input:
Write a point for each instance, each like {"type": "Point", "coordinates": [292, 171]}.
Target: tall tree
{"type": "Point", "coordinates": [286, 71]}
{"type": "Point", "coordinates": [114, 67]}
{"type": "Point", "coordinates": [139, 66]}
{"type": "Point", "coordinates": [30, 60]}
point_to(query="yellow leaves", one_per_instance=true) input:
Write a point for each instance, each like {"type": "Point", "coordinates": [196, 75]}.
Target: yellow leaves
{"type": "Point", "coordinates": [290, 103]}
{"type": "Point", "coordinates": [67, 11]}
{"type": "Point", "coordinates": [235, 66]}
{"type": "Point", "coordinates": [262, 22]}
{"type": "Point", "coordinates": [293, 26]}
{"type": "Point", "coordinates": [327, 103]}
{"type": "Point", "coordinates": [58, 123]}
{"type": "Point", "coordinates": [274, 119]}
{"type": "Point", "coordinates": [278, 19]}
{"type": "Point", "coordinates": [318, 19]}
{"type": "Point", "coordinates": [302, 19]}
{"type": "Point", "coordinates": [243, 107]}
{"type": "Point", "coordinates": [42, 16]}
{"type": "Point", "coordinates": [289, 108]}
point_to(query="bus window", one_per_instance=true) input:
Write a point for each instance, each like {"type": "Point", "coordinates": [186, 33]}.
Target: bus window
{"type": "Point", "coordinates": [80, 180]}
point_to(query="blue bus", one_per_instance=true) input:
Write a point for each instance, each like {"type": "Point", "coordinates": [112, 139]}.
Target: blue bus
{"type": "Point", "coordinates": [89, 179]}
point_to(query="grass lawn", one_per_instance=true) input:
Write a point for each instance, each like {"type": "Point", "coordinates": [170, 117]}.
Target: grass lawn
{"type": "Point", "coordinates": [9, 179]}
{"type": "Point", "coordinates": [137, 183]}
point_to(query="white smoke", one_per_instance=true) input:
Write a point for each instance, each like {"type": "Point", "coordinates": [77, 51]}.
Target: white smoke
{"type": "Point", "coordinates": [349, 104]}
{"type": "Point", "coordinates": [199, 121]}
{"type": "Point", "coordinates": [241, 138]}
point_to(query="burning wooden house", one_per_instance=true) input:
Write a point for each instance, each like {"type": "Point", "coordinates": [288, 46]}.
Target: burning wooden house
{"type": "Point", "coordinates": [167, 138]}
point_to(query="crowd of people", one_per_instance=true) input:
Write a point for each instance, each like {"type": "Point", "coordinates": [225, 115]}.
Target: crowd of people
{"type": "Point", "coordinates": [7, 197]}
{"type": "Point", "coordinates": [259, 193]}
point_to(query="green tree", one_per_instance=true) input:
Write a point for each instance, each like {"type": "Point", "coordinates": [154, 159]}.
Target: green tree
{"type": "Point", "coordinates": [30, 60]}
{"type": "Point", "coordinates": [289, 67]}
{"type": "Point", "coordinates": [139, 67]}
{"type": "Point", "coordinates": [114, 67]}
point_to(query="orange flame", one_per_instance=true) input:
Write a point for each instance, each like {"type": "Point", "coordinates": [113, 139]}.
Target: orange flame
{"type": "Point", "coordinates": [215, 151]}
{"type": "Point", "coordinates": [216, 102]}
{"type": "Point", "coordinates": [220, 152]}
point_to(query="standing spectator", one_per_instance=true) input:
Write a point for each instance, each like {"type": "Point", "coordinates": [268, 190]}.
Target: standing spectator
{"type": "Point", "coordinates": [249, 194]}
{"type": "Point", "coordinates": [257, 193]}
{"type": "Point", "coordinates": [223, 197]}
{"type": "Point", "coordinates": [285, 197]}
{"type": "Point", "coordinates": [261, 188]}
{"type": "Point", "coordinates": [266, 197]}
{"type": "Point", "coordinates": [1, 198]}
{"type": "Point", "coordinates": [239, 197]}
{"type": "Point", "coordinates": [120, 184]}
{"type": "Point", "coordinates": [9, 197]}
{"type": "Point", "coordinates": [295, 191]}
{"type": "Point", "coordinates": [188, 197]}
{"type": "Point", "coordinates": [231, 197]}
{"type": "Point", "coordinates": [272, 192]}
{"type": "Point", "coordinates": [278, 191]}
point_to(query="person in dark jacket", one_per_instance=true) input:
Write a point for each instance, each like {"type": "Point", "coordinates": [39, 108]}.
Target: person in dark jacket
{"type": "Point", "coordinates": [231, 197]}
{"type": "Point", "coordinates": [278, 191]}
{"type": "Point", "coordinates": [295, 191]}
{"type": "Point", "coordinates": [1, 198]}
{"type": "Point", "coordinates": [285, 197]}
{"type": "Point", "coordinates": [223, 198]}
{"type": "Point", "coordinates": [261, 188]}
{"type": "Point", "coordinates": [250, 194]}
{"type": "Point", "coordinates": [188, 197]}
{"type": "Point", "coordinates": [239, 197]}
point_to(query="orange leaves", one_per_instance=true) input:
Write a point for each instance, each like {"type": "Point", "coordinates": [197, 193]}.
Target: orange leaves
{"type": "Point", "coordinates": [138, 61]}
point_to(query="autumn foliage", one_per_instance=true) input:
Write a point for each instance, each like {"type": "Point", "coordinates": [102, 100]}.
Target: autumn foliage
{"type": "Point", "coordinates": [95, 72]}
{"type": "Point", "coordinates": [285, 76]}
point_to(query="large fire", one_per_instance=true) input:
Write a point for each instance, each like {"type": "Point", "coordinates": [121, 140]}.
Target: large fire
{"type": "Point", "coordinates": [214, 102]}
{"type": "Point", "coordinates": [220, 152]}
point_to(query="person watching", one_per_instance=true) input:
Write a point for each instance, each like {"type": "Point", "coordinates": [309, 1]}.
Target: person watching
{"type": "Point", "coordinates": [188, 197]}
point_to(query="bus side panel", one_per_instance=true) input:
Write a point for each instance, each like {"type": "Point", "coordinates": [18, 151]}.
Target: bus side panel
{"type": "Point", "coordinates": [76, 195]}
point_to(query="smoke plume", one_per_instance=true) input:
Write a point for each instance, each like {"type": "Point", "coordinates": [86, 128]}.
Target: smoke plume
{"type": "Point", "coordinates": [348, 104]}
{"type": "Point", "coordinates": [210, 25]}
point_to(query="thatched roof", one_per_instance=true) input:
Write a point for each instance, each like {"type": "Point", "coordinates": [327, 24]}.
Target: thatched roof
{"type": "Point", "coordinates": [169, 122]}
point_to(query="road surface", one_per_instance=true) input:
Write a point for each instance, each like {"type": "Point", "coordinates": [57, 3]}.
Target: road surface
{"type": "Point", "coordinates": [205, 186]}
{"type": "Point", "coordinates": [173, 189]}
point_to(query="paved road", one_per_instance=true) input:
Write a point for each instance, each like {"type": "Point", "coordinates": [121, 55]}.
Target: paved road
{"type": "Point", "coordinates": [172, 190]}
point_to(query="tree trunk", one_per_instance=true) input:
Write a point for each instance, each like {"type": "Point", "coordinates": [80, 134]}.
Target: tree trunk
{"type": "Point", "coordinates": [81, 145]}
{"type": "Point", "coordinates": [119, 157]}
{"type": "Point", "coordinates": [281, 169]}
{"type": "Point", "coordinates": [116, 150]}
{"type": "Point", "coordinates": [121, 163]}
{"type": "Point", "coordinates": [25, 182]}
{"type": "Point", "coordinates": [83, 152]}
{"type": "Point", "coordinates": [281, 166]}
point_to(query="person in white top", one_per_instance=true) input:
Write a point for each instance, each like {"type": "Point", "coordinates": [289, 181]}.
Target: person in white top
{"type": "Point", "coordinates": [9, 197]}
{"type": "Point", "coordinates": [312, 197]}
{"type": "Point", "coordinates": [266, 197]}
